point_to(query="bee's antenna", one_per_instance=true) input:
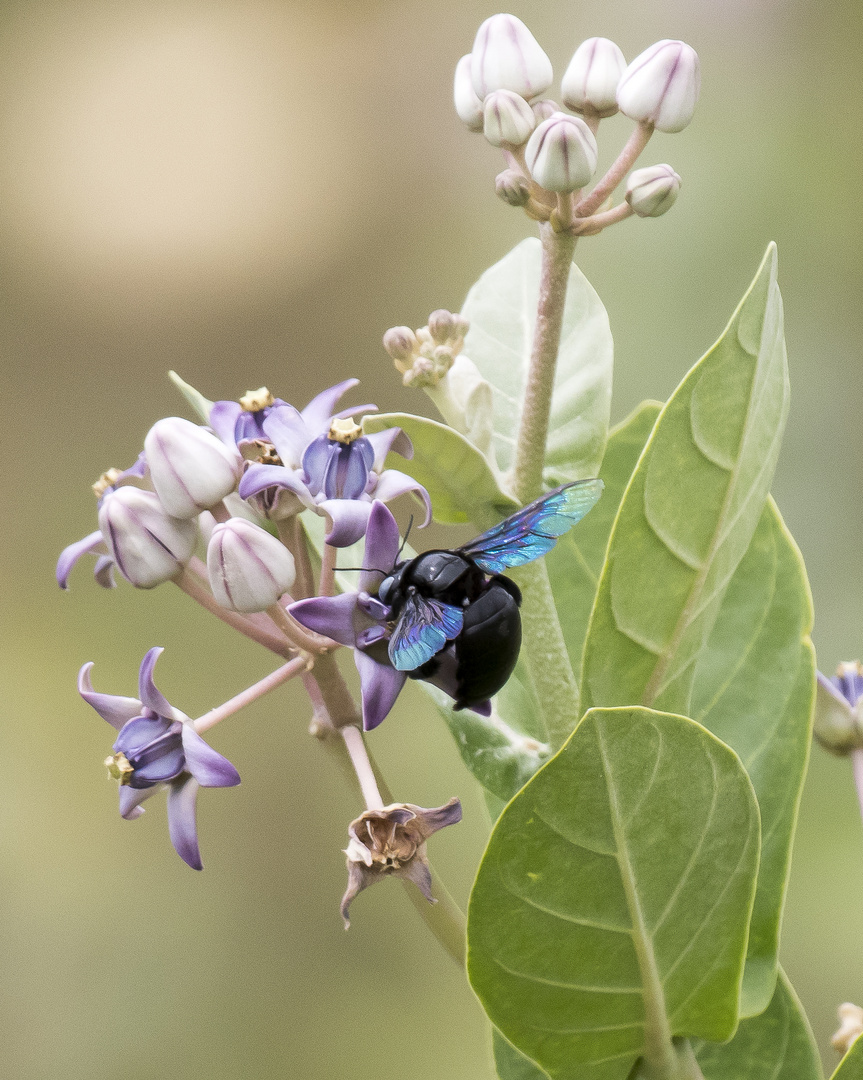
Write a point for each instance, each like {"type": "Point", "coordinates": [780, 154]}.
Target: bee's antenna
{"type": "Point", "coordinates": [370, 568]}
{"type": "Point", "coordinates": [407, 534]}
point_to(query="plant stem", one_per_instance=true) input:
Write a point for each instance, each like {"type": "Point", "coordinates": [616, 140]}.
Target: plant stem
{"type": "Point", "coordinates": [293, 536]}
{"type": "Point", "coordinates": [597, 222]}
{"type": "Point", "coordinates": [557, 249]}
{"type": "Point", "coordinates": [626, 159]}
{"type": "Point", "coordinates": [356, 748]}
{"type": "Point", "coordinates": [293, 667]}
{"type": "Point", "coordinates": [328, 571]}
{"type": "Point", "coordinates": [544, 645]}
{"type": "Point", "coordinates": [857, 768]}
{"type": "Point", "coordinates": [193, 588]}
{"type": "Point", "coordinates": [296, 633]}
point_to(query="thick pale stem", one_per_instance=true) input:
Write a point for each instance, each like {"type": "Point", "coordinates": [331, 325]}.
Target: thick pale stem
{"type": "Point", "coordinates": [857, 767]}
{"type": "Point", "coordinates": [557, 249]}
{"type": "Point", "coordinates": [597, 222]}
{"type": "Point", "coordinates": [626, 159]}
{"type": "Point", "coordinates": [272, 641]}
{"type": "Point", "coordinates": [297, 634]}
{"type": "Point", "coordinates": [293, 536]}
{"type": "Point", "coordinates": [328, 571]}
{"type": "Point", "coordinates": [362, 767]}
{"type": "Point", "coordinates": [678, 1062]}
{"type": "Point", "coordinates": [288, 671]}
{"type": "Point", "coordinates": [341, 708]}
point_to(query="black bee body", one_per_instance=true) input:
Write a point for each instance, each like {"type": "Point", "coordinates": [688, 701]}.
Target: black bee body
{"type": "Point", "coordinates": [487, 646]}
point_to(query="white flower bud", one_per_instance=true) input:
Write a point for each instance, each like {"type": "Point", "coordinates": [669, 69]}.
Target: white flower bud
{"type": "Point", "coordinates": [506, 56]}
{"type": "Point", "coordinates": [509, 119]}
{"type": "Point", "coordinates": [592, 77]}
{"type": "Point", "coordinates": [467, 104]}
{"type": "Point", "coordinates": [191, 469]}
{"type": "Point", "coordinates": [248, 568]}
{"type": "Point", "coordinates": [147, 544]}
{"type": "Point", "coordinates": [512, 187]}
{"type": "Point", "coordinates": [561, 153]}
{"type": "Point", "coordinates": [652, 191]}
{"type": "Point", "coordinates": [544, 108]}
{"type": "Point", "coordinates": [661, 86]}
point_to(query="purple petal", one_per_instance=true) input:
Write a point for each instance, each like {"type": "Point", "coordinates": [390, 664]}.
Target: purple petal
{"type": "Point", "coordinates": [317, 459]}
{"type": "Point", "coordinates": [380, 687]}
{"type": "Point", "coordinates": [287, 431]}
{"type": "Point", "coordinates": [370, 635]}
{"type": "Point", "coordinates": [392, 483]}
{"type": "Point", "coordinates": [830, 686]}
{"type": "Point", "coordinates": [207, 766]}
{"type": "Point", "coordinates": [258, 478]}
{"type": "Point", "coordinates": [329, 615]}
{"type": "Point", "coordinates": [348, 520]}
{"type": "Point", "coordinates": [382, 547]}
{"type": "Point", "coordinates": [154, 699]}
{"type": "Point", "coordinates": [223, 420]}
{"type": "Point", "coordinates": [482, 708]}
{"type": "Point", "coordinates": [135, 472]}
{"type": "Point", "coordinates": [357, 410]}
{"type": "Point", "coordinates": [359, 878]}
{"type": "Point", "coordinates": [103, 572]}
{"type": "Point", "coordinates": [131, 799]}
{"type": "Point", "coordinates": [163, 768]}
{"type": "Point", "coordinates": [348, 472]}
{"type": "Point", "coordinates": [116, 710]}
{"type": "Point", "coordinates": [71, 554]}
{"type": "Point", "coordinates": [418, 872]}
{"type": "Point", "coordinates": [320, 409]}
{"type": "Point", "coordinates": [182, 824]}
{"type": "Point", "coordinates": [140, 731]}
{"type": "Point", "coordinates": [372, 607]}
{"type": "Point", "coordinates": [438, 817]}
{"type": "Point", "coordinates": [393, 440]}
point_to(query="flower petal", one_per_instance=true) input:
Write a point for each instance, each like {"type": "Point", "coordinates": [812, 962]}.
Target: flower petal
{"type": "Point", "coordinates": [71, 554]}
{"type": "Point", "coordinates": [393, 440]}
{"type": "Point", "coordinates": [329, 615]}
{"type": "Point", "coordinates": [348, 520]}
{"type": "Point", "coordinates": [380, 687]}
{"type": "Point", "coordinates": [417, 871]}
{"type": "Point", "coordinates": [392, 483]}
{"type": "Point", "coordinates": [320, 409]}
{"type": "Point", "coordinates": [357, 410]}
{"type": "Point", "coordinates": [139, 732]}
{"type": "Point", "coordinates": [154, 699]}
{"type": "Point", "coordinates": [207, 766]}
{"type": "Point", "coordinates": [359, 878]}
{"type": "Point", "coordinates": [437, 817]}
{"type": "Point", "coordinates": [116, 710]}
{"type": "Point", "coordinates": [131, 799]}
{"type": "Point", "coordinates": [287, 431]}
{"type": "Point", "coordinates": [103, 572]}
{"type": "Point", "coordinates": [182, 820]}
{"type": "Point", "coordinates": [382, 547]}
{"type": "Point", "coordinates": [161, 769]}
{"type": "Point", "coordinates": [258, 478]}
{"type": "Point", "coordinates": [223, 420]}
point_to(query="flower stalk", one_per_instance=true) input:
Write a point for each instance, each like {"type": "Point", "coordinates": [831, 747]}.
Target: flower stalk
{"type": "Point", "coordinates": [281, 675]}
{"type": "Point", "coordinates": [625, 160]}
{"type": "Point", "coordinates": [200, 593]}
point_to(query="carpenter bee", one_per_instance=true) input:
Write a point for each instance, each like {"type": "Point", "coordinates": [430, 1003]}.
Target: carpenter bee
{"type": "Point", "coordinates": [455, 617]}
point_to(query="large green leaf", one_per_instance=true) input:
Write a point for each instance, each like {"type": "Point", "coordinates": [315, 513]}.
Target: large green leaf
{"type": "Point", "coordinates": [690, 511]}
{"type": "Point", "coordinates": [754, 688]}
{"type": "Point", "coordinates": [611, 908]}
{"type": "Point", "coordinates": [575, 564]}
{"type": "Point", "coordinates": [777, 1045]}
{"type": "Point", "coordinates": [851, 1066]}
{"type": "Point", "coordinates": [501, 308]}
{"type": "Point", "coordinates": [456, 475]}
{"type": "Point", "coordinates": [511, 1064]}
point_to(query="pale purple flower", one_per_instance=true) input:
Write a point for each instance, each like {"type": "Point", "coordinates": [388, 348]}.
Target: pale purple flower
{"type": "Point", "coordinates": [391, 842]}
{"type": "Point", "coordinates": [158, 746]}
{"type": "Point", "coordinates": [360, 621]}
{"type": "Point", "coordinates": [321, 461]}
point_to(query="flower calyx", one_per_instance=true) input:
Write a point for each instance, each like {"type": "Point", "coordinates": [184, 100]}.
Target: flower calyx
{"type": "Point", "coordinates": [391, 842]}
{"type": "Point", "coordinates": [838, 726]}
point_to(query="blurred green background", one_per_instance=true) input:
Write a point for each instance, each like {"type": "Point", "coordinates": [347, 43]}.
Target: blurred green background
{"type": "Point", "coordinates": [252, 192]}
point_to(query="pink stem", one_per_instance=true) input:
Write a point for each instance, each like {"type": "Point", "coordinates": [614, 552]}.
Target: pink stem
{"type": "Point", "coordinates": [287, 671]}
{"type": "Point", "coordinates": [362, 767]}
{"type": "Point", "coordinates": [272, 641]}
{"type": "Point", "coordinates": [626, 159]}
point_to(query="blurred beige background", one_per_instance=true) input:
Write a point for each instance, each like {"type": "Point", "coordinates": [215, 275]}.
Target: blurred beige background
{"type": "Point", "coordinates": [252, 192]}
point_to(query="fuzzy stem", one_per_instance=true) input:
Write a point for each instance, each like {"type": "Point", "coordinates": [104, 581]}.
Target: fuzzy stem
{"type": "Point", "coordinates": [356, 748]}
{"type": "Point", "coordinates": [272, 641]}
{"type": "Point", "coordinates": [341, 708]}
{"type": "Point", "coordinates": [626, 159]}
{"type": "Point", "coordinates": [678, 1063]}
{"type": "Point", "coordinates": [597, 222]}
{"type": "Point", "coordinates": [557, 251]}
{"type": "Point", "coordinates": [293, 667]}
{"type": "Point", "coordinates": [293, 536]}
{"type": "Point", "coordinates": [296, 633]}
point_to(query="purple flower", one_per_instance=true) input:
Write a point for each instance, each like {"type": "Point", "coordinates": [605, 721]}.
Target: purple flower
{"type": "Point", "coordinates": [391, 842]}
{"type": "Point", "coordinates": [321, 461]}
{"type": "Point", "coordinates": [359, 620]}
{"type": "Point", "coordinates": [838, 707]}
{"type": "Point", "coordinates": [157, 745]}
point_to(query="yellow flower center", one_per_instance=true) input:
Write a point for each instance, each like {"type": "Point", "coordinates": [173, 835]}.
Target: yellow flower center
{"type": "Point", "coordinates": [119, 768]}
{"type": "Point", "coordinates": [106, 480]}
{"type": "Point", "coordinates": [344, 431]}
{"type": "Point", "coordinates": [256, 400]}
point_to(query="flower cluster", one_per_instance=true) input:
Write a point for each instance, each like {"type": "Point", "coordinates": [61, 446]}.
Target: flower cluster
{"type": "Point", "coordinates": [552, 154]}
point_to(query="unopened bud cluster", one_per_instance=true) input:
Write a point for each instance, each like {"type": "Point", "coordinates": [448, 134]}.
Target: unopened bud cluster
{"type": "Point", "coordinates": [426, 355]}
{"type": "Point", "coordinates": [552, 154]}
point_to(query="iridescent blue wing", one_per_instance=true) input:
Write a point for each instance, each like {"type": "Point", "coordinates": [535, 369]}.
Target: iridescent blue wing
{"type": "Point", "coordinates": [423, 629]}
{"type": "Point", "coordinates": [533, 531]}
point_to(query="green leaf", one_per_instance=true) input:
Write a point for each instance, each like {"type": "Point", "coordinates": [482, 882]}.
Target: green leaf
{"type": "Point", "coordinates": [575, 564]}
{"type": "Point", "coordinates": [754, 688]}
{"type": "Point", "coordinates": [195, 398]}
{"type": "Point", "coordinates": [456, 475]}
{"type": "Point", "coordinates": [851, 1066]}
{"type": "Point", "coordinates": [611, 908]}
{"type": "Point", "coordinates": [501, 308]}
{"type": "Point", "coordinates": [777, 1045]}
{"type": "Point", "coordinates": [690, 510]}
{"type": "Point", "coordinates": [510, 1063]}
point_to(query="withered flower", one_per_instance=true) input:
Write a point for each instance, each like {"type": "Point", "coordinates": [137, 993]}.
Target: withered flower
{"type": "Point", "coordinates": [391, 842]}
